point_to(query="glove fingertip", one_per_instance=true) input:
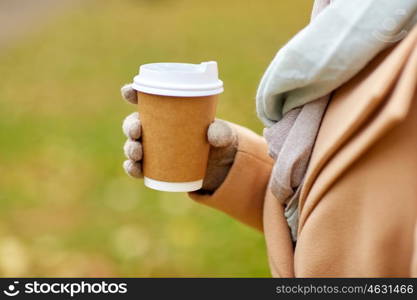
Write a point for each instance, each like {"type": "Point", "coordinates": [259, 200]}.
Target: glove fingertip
{"type": "Point", "coordinates": [220, 134]}
{"type": "Point", "coordinates": [132, 127]}
{"type": "Point", "coordinates": [133, 150]}
{"type": "Point", "coordinates": [129, 94]}
{"type": "Point", "coordinates": [133, 169]}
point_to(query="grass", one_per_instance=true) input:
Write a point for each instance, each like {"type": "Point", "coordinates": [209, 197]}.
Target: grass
{"type": "Point", "coordinates": [66, 207]}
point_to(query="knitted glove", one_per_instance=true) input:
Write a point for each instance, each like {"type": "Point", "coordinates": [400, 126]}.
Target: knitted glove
{"type": "Point", "coordinates": [221, 136]}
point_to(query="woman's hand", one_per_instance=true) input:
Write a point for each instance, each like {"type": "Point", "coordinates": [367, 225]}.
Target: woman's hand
{"type": "Point", "coordinates": [221, 136]}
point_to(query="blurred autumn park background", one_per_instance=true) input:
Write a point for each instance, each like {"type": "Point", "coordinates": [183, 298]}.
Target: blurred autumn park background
{"type": "Point", "coordinates": [66, 206]}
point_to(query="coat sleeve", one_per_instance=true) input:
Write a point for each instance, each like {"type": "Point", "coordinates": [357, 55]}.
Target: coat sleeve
{"type": "Point", "coordinates": [242, 193]}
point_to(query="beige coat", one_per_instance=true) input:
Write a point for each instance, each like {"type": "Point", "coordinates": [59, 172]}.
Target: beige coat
{"type": "Point", "coordinates": [358, 206]}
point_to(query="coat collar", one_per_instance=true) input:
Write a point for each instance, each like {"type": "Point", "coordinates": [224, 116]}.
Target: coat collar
{"type": "Point", "coordinates": [360, 112]}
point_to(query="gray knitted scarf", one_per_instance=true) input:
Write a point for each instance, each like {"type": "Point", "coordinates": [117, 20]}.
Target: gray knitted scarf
{"type": "Point", "coordinates": [290, 142]}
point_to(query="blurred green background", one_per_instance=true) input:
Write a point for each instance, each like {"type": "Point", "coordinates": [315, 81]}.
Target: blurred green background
{"type": "Point", "coordinates": [66, 206]}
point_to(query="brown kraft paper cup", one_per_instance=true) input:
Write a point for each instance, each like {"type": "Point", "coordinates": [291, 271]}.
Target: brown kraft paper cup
{"type": "Point", "coordinates": [174, 136]}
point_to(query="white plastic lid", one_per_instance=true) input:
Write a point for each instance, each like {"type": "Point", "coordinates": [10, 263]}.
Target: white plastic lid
{"type": "Point", "coordinates": [179, 79]}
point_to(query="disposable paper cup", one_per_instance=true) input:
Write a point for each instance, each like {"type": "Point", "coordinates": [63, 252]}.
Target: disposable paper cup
{"type": "Point", "coordinates": [177, 102]}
